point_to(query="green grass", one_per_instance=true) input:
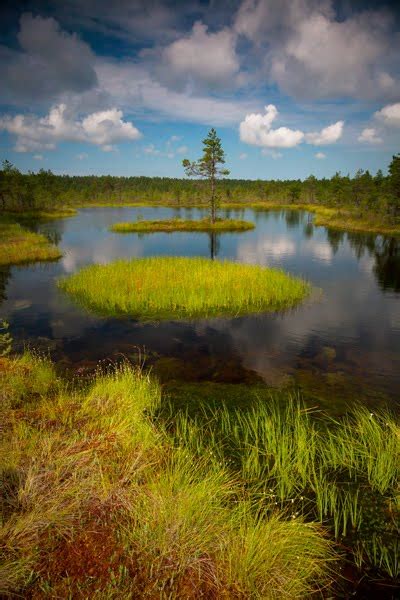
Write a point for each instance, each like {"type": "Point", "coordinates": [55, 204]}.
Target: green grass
{"type": "Point", "coordinates": [171, 225]}
{"type": "Point", "coordinates": [97, 501]}
{"type": "Point", "coordinates": [172, 287]}
{"type": "Point", "coordinates": [18, 245]}
{"type": "Point", "coordinates": [343, 473]}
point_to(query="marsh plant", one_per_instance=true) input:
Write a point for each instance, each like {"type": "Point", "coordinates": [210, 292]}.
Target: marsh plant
{"type": "Point", "coordinates": [97, 501]}
{"type": "Point", "coordinates": [341, 473]}
{"type": "Point", "coordinates": [5, 338]}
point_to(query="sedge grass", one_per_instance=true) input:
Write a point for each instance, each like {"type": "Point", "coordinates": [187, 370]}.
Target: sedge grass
{"type": "Point", "coordinates": [170, 225]}
{"type": "Point", "coordinates": [174, 287]}
{"type": "Point", "coordinates": [18, 245]}
{"type": "Point", "coordinates": [97, 502]}
{"type": "Point", "coordinates": [344, 473]}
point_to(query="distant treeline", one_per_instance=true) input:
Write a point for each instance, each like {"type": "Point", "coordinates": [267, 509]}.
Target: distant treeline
{"type": "Point", "coordinates": [45, 190]}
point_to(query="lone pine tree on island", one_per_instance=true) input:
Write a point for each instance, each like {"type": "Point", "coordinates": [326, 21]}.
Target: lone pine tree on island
{"type": "Point", "coordinates": [208, 167]}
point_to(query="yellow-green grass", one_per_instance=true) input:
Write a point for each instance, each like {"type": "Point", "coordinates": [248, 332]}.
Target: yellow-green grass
{"type": "Point", "coordinates": [176, 287]}
{"type": "Point", "coordinates": [98, 502]}
{"type": "Point", "coordinates": [18, 245]}
{"type": "Point", "coordinates": [344, 473]}
{"type": "Point", "coordinates": [43, 215]}
{"type": "Point", "coordinates": [346, 220]}
{"type": "Point", "coordinates": [170, 225]}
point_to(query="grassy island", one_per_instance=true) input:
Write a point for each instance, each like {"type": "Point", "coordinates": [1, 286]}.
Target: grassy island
{"type": "Point", "coordinates": [170, 225]}
{"type": "Point", "coordinates": [176, 287]}
{"type": "Point", "coordinates": [18, 245]}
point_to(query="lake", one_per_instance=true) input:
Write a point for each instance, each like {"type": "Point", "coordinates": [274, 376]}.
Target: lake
{"type": "Point", "coordinates": [341, 346]}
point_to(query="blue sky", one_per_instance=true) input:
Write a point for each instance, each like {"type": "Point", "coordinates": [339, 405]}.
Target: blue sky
{"type": "Point", "coordinates": [293, 87]}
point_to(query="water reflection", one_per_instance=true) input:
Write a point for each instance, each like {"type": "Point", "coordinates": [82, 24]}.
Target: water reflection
{"type": "Point", "coordinates": [345, 344]}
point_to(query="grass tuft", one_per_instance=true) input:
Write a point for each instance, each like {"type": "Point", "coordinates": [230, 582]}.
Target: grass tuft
{"type": "Point", "coordinates": [97, 501]}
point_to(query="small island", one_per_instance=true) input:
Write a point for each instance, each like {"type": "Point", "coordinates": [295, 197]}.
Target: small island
{"type": "Point", "coordinates": [159, 288]}
{"type": "Point", "coordinates": [19, 245]}
{"type": "Point", "coordinates": [171, 225]}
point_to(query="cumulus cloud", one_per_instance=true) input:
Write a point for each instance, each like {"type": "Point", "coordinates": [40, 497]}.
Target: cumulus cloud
{"type": "Point", "coordinates": [328, 135]}
{"type": "Point", "coordinates": [208, 57]}
{"type": "Point", "coordinates": [50, 62]}
{"type": "Point", "coordinates": [309, 52]}
{"type": "Point", "coordinates": [370, 135]}
{"type": "Point", "coordinates": [38, 156]}
{"type": "Point", "coordinates": [102, 128]}
{"type": "Point", "coordinates": [320, 155]}
{"type": "Point", "coordinates": [256, 129]}
{"type": "Point", "coordinates": [390, 115]}
{"type": "Point", "coordinates": [243, 156]}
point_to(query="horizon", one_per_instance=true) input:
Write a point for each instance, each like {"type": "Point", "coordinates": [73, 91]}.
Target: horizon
{"type": "Point", "coordinates": [293, 88]}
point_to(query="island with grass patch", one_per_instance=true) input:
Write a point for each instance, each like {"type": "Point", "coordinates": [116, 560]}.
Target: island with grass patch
{"type": "Point", "coordinates": [176, 287]}
{"type": "Point", "coordinates": [170, 225]}
{"type": "Point", "coordinates": [19, 245]}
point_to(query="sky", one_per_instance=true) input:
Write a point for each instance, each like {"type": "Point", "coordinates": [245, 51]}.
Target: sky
{"type": "Point", "coordinates": [131, 87]}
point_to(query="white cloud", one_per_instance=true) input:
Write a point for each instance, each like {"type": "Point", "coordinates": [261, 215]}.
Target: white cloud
{"type": "Point", "coordinates": [152, 150]}
{"type": "Point", "coordinates": [130, 85]}
{"type": "Point", "coordinates": [243, 156]}
{"type": "Point", "coordinates": [38, 156]}
{"type": "Point", "coordinates": [208, 57]}
{"type": "Point", "coordinates": [182, 150]}
{"type": "Point", "coordinates": [305, 48]}
{"type": "Point", "coordinates": [328, 135]}
{"type": "Point", "coordinates": [390, 115]}
{"type": "Point", "coordinates": [320, 155]}
{"type": "Point", "coordinates": [273, 153]}
{"type": "Point", "coordinates": [256, 129]}
{"type": "Point", "coordinates": [103, 128]}
{"type": "Point", "coordinates": [370, 135]}
{"type": "Point", "coordinates": [81, 156]}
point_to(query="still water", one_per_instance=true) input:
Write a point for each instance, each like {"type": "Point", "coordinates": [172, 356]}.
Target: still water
{"type": "Point", "coordinates": [342, 346]}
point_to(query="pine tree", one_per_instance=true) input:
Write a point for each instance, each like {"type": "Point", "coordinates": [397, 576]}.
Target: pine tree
{"type": "Point", "coordinates": [208, 167]}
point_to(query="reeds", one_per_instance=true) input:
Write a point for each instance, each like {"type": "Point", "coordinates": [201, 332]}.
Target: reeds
{"type": "Point", "coordinates": [176, 287]}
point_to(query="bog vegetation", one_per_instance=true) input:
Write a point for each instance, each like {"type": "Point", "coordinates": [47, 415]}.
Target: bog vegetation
{"type": "Point", "coordinates": [18, 245]}
{"type": "Point", "coordinates": [104, 497]}
{"type": "Point", "coordinates": [170, 225]}
{"type": "Point", "coordinates": [174, 287]}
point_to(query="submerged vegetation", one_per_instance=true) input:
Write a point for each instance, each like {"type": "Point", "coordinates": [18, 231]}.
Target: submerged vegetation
{"type": "Point", "coordinates": [182, 225]}
{"type": "Point", "coordinates": [97, 500]}
{"type": "Point", "coordinates": [18, 245]}
{"type": "Point", "coordinates": [173, 287]}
